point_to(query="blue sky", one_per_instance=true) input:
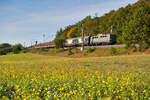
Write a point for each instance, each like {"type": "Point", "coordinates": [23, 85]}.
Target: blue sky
{"type": "Point", "coordinates": [27, 20]}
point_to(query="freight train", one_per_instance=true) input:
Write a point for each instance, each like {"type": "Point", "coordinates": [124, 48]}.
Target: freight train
{"type": "Point", "coordinates": [100, 39]}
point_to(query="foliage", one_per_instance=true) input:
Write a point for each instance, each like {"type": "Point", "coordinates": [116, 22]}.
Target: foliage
{"type": "Point", "coordinates": [70, 51]}
{"type": "Point", "coordinates": [4, 45]}
{"type": "Point", "coordinates": [28, 76]}
{"type": "Point", "coordinates": [90, 50]}
{"type": "Point", "coordinates": [70, 32]}
{"type": "Point", "coordinates": [17, 48]}
{"type": "Point", "coordinates": [43, 49]}
{"type": "Point", "coordinates": [5, 48]}
{"type": "Point", "coordinates": [137, 31]}
{"type": "Point", "coordinates": [57, 50]}
{"type": "Point", "coordinates": [144, 46]}
{"type": "Point", "coordinates": [25, 50]}
{"type": "Point", "coordinates": [2, 52]}
{"type": "Point", "coordinates": [113, 50]}
{"type": "Point", "coordinates": [124, 21]}
{"type": "Point", "coordinates": [59, 42]}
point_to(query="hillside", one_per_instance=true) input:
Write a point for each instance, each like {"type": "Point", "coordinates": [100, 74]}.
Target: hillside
{"type": "Point", "coordinates": [118, 19]}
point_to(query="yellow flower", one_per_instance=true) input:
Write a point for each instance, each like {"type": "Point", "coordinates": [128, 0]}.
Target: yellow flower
{"type": "Point", "coordinates": [109, 98]}
{"type": "Point", "coordinates": [82, 93]}
{"type": "Point", "coordinates": [33, 89]}
{"type": "Point", "coordinates": [82, 89]}
{"type": "Point", "coordinates": [144, 91]}
{"type": "Point", "coordinates": [89, 94]}
{"type": "Point", "coordinates": [98, 92]}
{"type": "Point", "coordinates": [16, 86]}
{"type": "Point", "coordinates": [68, 94]}
{"type": "Point", "coordinates": [55, 96]}
{"type": "Point", "coordinates": [46, 89]}
{"type": "Point", "coordinates": [103, 81]}
{"type": "Point", "coordinates": [132, 93]}
{"type": "Point", "coordinates": [105, 92]}
{"type": "Point", "coordinates": [3, 97]}
{"type": "Point", "coordinates": [71, 92]}
{"type": "Point", "coordinates": [22, 92]}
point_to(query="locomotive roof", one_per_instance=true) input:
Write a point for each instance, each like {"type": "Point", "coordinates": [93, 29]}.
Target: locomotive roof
{"type": "Point", "coordinates": [104, 34]}
{"type": "Point", "coordinates": [78, 38]}
{"type": "Point", "coordinates": [88, 36]}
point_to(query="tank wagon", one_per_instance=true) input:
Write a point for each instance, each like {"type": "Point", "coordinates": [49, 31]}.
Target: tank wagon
{"type": "Point", "coordinates": [100, 39]}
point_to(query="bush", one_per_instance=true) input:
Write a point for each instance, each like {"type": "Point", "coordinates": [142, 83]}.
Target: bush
{"type": "Point", "coordinates": [56, 50]}
{"type": "Point", "coordinates": [113, 51]}
{"type": "Point", "coordinates": [24, 51]}
{"type": "Point", "coordinates": [5, 48]}
{"type": "Point", "coordinates": [5, 45]}
{"type": "Point", "coordinates": [77, 50]}
{"type": "Point", "coordinates": [90, 50]}
{"type": "Point", "coordinates": [70, 51]}
{"type": "Point", "coordinates": [17, 48]}
{"type": "Point", "coordinates": [59, 50]}
{"type": "Point", "coordinates": [2, 52]}
{"type": "Point", "coordinates": [43, 50]}
{"type": "Point", "coordinates": [143, 46]}
{"type": "Point", "coordinates": [59, 42]}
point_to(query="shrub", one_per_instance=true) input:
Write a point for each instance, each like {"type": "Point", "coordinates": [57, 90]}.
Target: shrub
{"type": "Point", "coordinates": [17, 48]}
{"type": "Point", "coordinates": [25, 51]}
{"type": "Point", "coordinates": [77, 50]}
{"type": "Point", "coordinates": [143, 46]}
{"type": "Point", "coordinates": [4, 45]}
{"type": "Point", "coordinates": [5, 48]}
{"type": "Point", "coordinates": [90, 50]}
{"type": "Point", "coordinates": [70, 51]}
{"type": "Point", "coordinates": [113, 51]}
{"type": "Point", "coordinates": [2, 52]}
{"type": "Point", "coordinates": [59, 50]}
{"type": "Point", "coordinates": [56, 50]}
{"type": "Point", "coordinates": [59, 42]}
{"type": "Point", "coordinates": [43, 50]}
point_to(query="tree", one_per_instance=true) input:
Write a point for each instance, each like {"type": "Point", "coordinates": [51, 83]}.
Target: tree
{"type": "Point", "coordinates": [70, 32]}
{"type": "Point", "coordinates": [59, 42]}
{"type": "Point", "coordinates": [5, 48]}
{"type": "Point", "coordinates": [119, 19]}
{"type": "Point", "coordinates": [5, 45]}
{"type": "Point", "coordinates": [17, 48]}
{"type": "Point", "coordinates": [137, 31]}
{"type": "Point", "coordinates": [91, 27]}
{"type": "Point", "coordinates": [2, 52]}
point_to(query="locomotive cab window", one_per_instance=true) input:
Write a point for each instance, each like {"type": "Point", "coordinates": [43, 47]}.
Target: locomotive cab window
{"type": "Point", "coordinates": [75, 41]}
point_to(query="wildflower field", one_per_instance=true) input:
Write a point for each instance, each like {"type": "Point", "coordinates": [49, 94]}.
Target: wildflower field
{"type": "Point", "coordinates": [36, 77]}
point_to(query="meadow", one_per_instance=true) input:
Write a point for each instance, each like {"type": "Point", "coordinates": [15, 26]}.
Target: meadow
{"type": "Point", "coordinates": [36, 77]}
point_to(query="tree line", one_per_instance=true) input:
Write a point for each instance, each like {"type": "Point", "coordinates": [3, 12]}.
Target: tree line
{"type": "Point", "coordinates": [6, 48]}
{"type": "Point", "coordinates": [131, 25]}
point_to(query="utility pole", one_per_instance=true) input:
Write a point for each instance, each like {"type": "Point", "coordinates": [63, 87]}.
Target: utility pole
{"type": "Point", "coordinates": [111, 31]}
{"type": "Point", "coordinates": [43, 37]}
{"type": "Point", "coordinates": [52, 37]}
{"type": "Point", "coordinates": [36, 42]}
{"type": "Point", "coordinates": [96, 14]}
{"type": "Point", "coordinates": [82, 30]}
{"type": "Point", "coordinates": [31, 43]}
{"type": "Point", "coordinates": [24, 44]}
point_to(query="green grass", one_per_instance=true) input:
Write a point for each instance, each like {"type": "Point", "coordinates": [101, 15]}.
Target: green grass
{"type": "Point", "coordinates": [29, 76]}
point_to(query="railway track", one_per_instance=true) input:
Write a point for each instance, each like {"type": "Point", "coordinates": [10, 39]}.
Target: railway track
{"type": "Point", "coordinates": [99, 46]}
{"type": "Point", "coordinates": [106, 46]}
